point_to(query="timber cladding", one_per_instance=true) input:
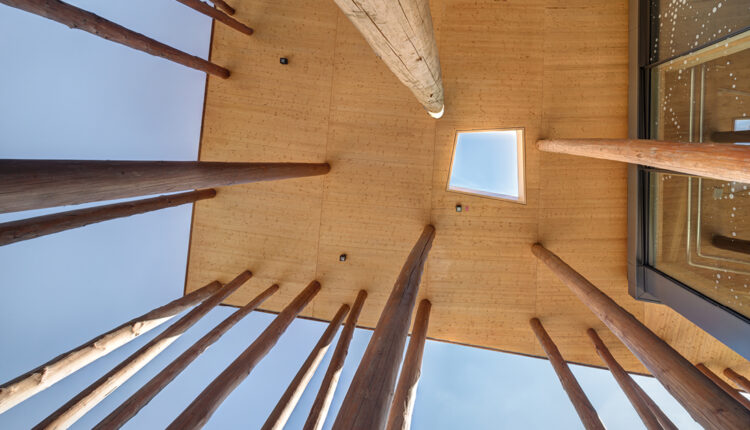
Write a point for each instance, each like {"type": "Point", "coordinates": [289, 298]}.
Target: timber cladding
{"type": "Point", "coordinates": [558, 68]}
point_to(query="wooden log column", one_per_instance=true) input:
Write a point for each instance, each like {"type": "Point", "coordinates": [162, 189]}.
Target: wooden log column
{"type": "Point", "coordinates": [197, 414]}
{"type": "Point", "coordinates": [322, 403]}
{"type": "Point", "coordinates": [625, 382]}
{"type": "Point", "coordinates": [664, 420]}
{"type": "Point", "coordinates": [221, 4]}
{"type": "Point", "coordinates": [723, 385]}
{"type": "Point", "coordinates": [370, 394]}
{"type": "Point", "coordinates": [714, 160]}
{"type": "Point", "coordinates": [587, 413]}
{"type": "Point", "coordinates": [218, 15]}
{"type": "Point", "coordinates": [738, 379]}
{"type": "Point", "coordinates": [21, 388]}
{"type": "Point", "coordinates": [30, 228]}
{"type": "Point", "coordinates": [708, 404]}
{"type": "Point", "coordinates": [283, 410]}
{"type": "Point", "coordinates": [80, 19]}
{"type": "Point", "coordinates": [400, 32]}
{"type": "Point", "coordinates": [402, 407]}
{"type": "Point", "coordinates": [137, 401]}
{"type": "Point", "coordinates": [79, 405]}
{"type": "Point", "coordinates": [34, 184]}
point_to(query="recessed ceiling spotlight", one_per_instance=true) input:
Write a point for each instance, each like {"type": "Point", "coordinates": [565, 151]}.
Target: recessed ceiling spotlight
{"type": "Point", "coordinates": [342, 257]}
{"type": "Point", "coordinates": [459, 208]}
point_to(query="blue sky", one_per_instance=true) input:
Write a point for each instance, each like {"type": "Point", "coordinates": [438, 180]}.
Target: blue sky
{"type": "Point", "coordinates": [486, 161]}
{"type": "Point", "coordinates": [67, 94]}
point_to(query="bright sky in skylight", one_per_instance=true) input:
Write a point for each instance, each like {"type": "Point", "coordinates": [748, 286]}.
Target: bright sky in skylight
{"type": "Point", "coordinates": [486, 161]}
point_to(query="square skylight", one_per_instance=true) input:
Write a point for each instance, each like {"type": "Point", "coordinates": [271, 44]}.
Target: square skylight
{"type": "Point", "coordinates": [489, 163]}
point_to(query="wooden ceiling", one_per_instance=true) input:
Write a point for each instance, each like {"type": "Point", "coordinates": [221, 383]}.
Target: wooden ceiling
{"type": "Point", "coordinates": [558, 68]}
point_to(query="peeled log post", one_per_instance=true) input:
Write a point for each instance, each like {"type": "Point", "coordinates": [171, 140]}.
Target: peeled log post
{"type": "Point", "coordinates": [370, 394]}
{"type": "Point", "coordinates": [30, 228]}
{"type": "Point", "coordinates": [34, 184]}
{"type": "Point", "coordinates": [730, 136]}
{"type": "Point", "coordinates": [197, 414]}
{"type": "Point", "coordinates": [402, 407]}
{"type": "Point", "coordinates": [21, 388]}
{"type": "Point", "coordinates": [625, 382]}
{"type": "Point", "coordinates": [731, 244]}
{"type": "Point", "coordinates": [738, 379]}
{"type": "Point", "coordinates": [217, 15]}
{"type": "Point", "coordinates": [400, 32]}
{"type": "Point", "coordinates": [221, 4]}
{"type": "Point", "coordinates": [284, 408]}
{"type": "Point", "coordinates": [587, 413]}
{"type": "Point", "coordinates": [322, 403]}
{"type": "Point", "coordinates": [714, 160]}
{"type": "Point", "coordinates": [664, 420]}
{"type": "Point", "coordinates": [723, 385]}
{"type": "Point", "coordinates": [708, 404]}
{"type": "Point", "coordinates": [80, 19]}
{"type": "Point", "coordinates": [79, 405]}
{"type": "Point", "coordinates": [129, 408]}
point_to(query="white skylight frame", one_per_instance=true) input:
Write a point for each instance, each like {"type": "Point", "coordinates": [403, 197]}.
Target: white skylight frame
{"type": "Point", "coordinates": [521, 163]}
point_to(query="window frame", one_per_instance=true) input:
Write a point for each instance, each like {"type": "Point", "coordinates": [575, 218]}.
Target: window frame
{"type": "Point", "coordinates": [520, 160]}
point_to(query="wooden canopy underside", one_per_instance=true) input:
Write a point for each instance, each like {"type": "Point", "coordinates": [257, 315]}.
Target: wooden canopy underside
{"type": "Point", "coordinates": [556, 67]}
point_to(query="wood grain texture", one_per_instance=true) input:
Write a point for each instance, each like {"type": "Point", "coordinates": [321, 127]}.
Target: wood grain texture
{"type": "Point", "coordinates": [370, 393]}
{"type": "Point", "coordinates": [726, 161]}
{"type": "Point", "coordinates": [709, 405]}
{"type": "Point", "coordinates": [197, 414]}
{"type": "Point", "coordinates": [284, 408]}
{"type": "Point", "coordinates": [34, 184]}
{"type": "Point", "coordinates": [335, 101]}
{"type": "Point", "coordinates": [21, 388]}
{"type": "Point", "coordinates": [626, 383]}
{"type": "Point", "coordinates": [584, 408]}
{"type": "Point", "coordinates": [130, 407]}
{"type": "Point", "coordinates": [322, 402]}
{"type": "Point", "coordinates": [402, 407]}
{"type": "Point", "coordinates": [80, 19]}
{"type": "Point", "coordinates": [401, 34]}
{"type": "Point", "coordinates": [90, 396]}
{"type": "Point", "coordinates": [30, 228]}
{"type": "Point", "coordinates": [723, 385]}
{"type": "Point", "coordinates": [218, 15]}
{"type": "Point", "coordinates": [221, 4]}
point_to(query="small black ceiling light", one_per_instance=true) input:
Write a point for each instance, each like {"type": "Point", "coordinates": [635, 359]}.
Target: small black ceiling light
{"type": "Point", "coordinates": [342, 257]}
{"type": "Point", "coordinates": [459, 208]}
{"type": "Point", "coordinates": [284, 60]}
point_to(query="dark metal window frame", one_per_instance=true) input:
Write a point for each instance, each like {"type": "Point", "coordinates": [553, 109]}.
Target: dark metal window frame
{"type": "Point", "coordinates": [645, 282]}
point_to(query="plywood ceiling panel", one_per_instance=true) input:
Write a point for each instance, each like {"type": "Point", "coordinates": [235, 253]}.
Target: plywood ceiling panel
{"type": "Point", "coordinates": [558, 68]}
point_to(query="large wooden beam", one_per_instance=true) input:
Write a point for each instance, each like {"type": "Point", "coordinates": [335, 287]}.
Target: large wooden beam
{"type": "Point", "coordinates": [30, 228]}
{"type": "Point", "coordinates": [708, 404]}
{"type": "Point", "coordinates": [625, 382]}
{"type": "Point", "coordinates": [197, 414]}
{"type": "Point", "coordinates": [322, 403]}
{"type": "Point", "coordinates": [21, 388]}
{"type": "Point", "coordinates": [400, 32]}
{"type": "Point", "coordinates": [723, 385]}
{"type": "Point", "coordinates": [129, 408]}
{"type": "Point", "coordinates": [370, 394]}
{"type": "Point", "coordinates": [714, 160]}
{"type": "Point", "coordinates": [284, 408]}
{"type": "Point", "coordinates": [738, 379]}
{"type": "Point", "coordinates": [34, 184]}
{"type": "Point", "coordinates": [584, 408]}
{"type": "Point", "coordinates": [79, 405]}
{"type": "Point", "coordinates": [402, 406]}
{"type": "Point", "coordinates": [80, 19]}
{"type": "Point", "coordinates": [218, 15]}
{"type": "Point", "coordinates": [730, 136]}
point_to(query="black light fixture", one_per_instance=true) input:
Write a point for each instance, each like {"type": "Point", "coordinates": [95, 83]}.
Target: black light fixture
{"type": "Point", "coordinates": [459, 208]}
{"type": "Point", "coordinates": [342, 257]}
{"type": "Point", "coordinates": [284, 60]}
